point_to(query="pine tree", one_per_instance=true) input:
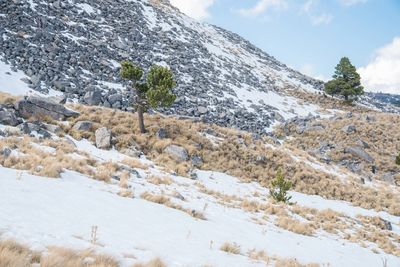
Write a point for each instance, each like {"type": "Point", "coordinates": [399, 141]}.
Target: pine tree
{"type": "Point", "coordinates": [346, 81]}
{"type": "Point", "coordinates": [279, 188]}
{"type": "Point", "coordinates": [398, 159]}
{"type": "Point", "coordinates": [154, 92]}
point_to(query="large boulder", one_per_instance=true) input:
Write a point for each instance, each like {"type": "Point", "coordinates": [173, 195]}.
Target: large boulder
{"type": "Point", "coordinates": [178, 153]}
{"type": "Point", "coordinates": [103, 138]}
{"type": "Point", "coordinates": [360, 153]}
{"type": "Point", "coordinates": [93, 97]}
{"type": "Point", "coordinates": [34, 106]}
{"type": "Point", "coordinates": [8, 118]}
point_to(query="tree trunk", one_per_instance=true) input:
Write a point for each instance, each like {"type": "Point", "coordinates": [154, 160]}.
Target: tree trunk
{"type": "Point", "coordinates": [346, 97]}
{"type": "Point", "coordinates": [140, 117]}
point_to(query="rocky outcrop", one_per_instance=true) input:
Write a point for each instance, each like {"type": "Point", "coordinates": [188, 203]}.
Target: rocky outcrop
{"type": "Point", "coordinates": [8, 117]}
{"type": "Point", "coordinates": [40, 107]}
{"type": "Point", "coordinates": [360, 153]}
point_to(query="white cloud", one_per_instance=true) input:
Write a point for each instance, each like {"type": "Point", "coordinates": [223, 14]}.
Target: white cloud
{"type": "Point", "coordinates": [321, 19]}
{"type": "Point", "coordinates": [352, 2]}
{"type": "Point", "coordinates": [382, 74]}
{"type": "Point", "coordinates": [197, 9]}
{"type": "Point", "coordinates": [308, 8]}
{"type": "Point", "coordinates": [262, 6]}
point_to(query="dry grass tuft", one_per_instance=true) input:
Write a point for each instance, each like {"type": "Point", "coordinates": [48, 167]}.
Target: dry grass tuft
{"type": "Point", "coordinates": [166, 201]}
{"type": "Point", "coordinates": [231, 248]}
{"type": "Point", "coordinates": [59, 256]}
{"type": "Point", "coordinates": [157, 180]}
{"type": "Point", "coordinates": [157, 262]}
{"type": "Point", "coordinates": [295, 226]}
{"type": "Point", "coordinates": [13, 254]}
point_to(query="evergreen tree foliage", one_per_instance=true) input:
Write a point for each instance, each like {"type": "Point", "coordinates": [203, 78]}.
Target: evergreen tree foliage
{"type": "Point", "coordinates": [346, 81]}
{"type": "Point", "coordinates": [154, 92]}
{"type": "Point", "coordinates": [279, 188]}
{"type": "Point", "coordinates": [398, 159]}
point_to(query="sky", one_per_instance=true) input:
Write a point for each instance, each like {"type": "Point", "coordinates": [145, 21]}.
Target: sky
{"type": "Point", "coordinates": [312, 35]}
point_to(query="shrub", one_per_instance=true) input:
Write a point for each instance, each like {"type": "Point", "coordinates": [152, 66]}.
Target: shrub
{"type": "Point", "coordinates": [279, 188]}
{"type": "Point", "coordinates": [398, 159]}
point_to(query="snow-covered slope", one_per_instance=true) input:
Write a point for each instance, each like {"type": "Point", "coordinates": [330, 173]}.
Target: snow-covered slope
{"type": "Point", "coordinates": [43, 212]}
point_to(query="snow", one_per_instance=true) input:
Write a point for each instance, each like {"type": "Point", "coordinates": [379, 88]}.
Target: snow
{"type": "Point", "coordinates": [86, 8]}
{"type": "Point", "coordinates": [10, 81]}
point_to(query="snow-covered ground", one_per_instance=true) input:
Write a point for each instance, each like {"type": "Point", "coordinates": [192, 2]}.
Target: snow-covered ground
{"type": "Point", "coordinates": [45, 211]}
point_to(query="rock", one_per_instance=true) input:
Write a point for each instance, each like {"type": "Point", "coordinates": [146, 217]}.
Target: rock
{"type": "Point", "coordinates": [178, 153]}
{"type": "Point", "coordinates": [389, 178]}
{"type": "Point", "coordinates": [103, 138]}
{"type": "Point", "coordinates": [161, 133]}
{"type": "Point", "coordinates": [360, 153]}
{"type": "Point", "coordinates": [8, 118]}
{"type": "Point", "coordinates": [260, 159]}
{"type": "Point", "coordinates": [52, 128]}
{"type": "Point", "coordinates": [34, 106]}
{"type": "Point", "coordinates": [349, 129]}
{"type": "Point", "coordinates": [82, 126]}
{"type": "Point", "coordinates": [362, 144]}
{"type": "Point", "coordinates": [6, 152]}
{"type": "Point", "coordinates": [197, 161]}
{"type": "Point", "coordinates": [387, 225]}
{"type": "Point", "coordinates": [28, 127]}
{"type": "Point", "coordinates": [202, 110]}
{"type": "Point", "coordinates": [93, 97]}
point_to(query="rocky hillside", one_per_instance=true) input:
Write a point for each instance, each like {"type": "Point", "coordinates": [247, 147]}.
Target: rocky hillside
{"type": "Point", "coordinates": [75, 47]}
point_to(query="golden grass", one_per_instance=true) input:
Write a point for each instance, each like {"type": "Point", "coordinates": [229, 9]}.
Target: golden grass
{"type": "Point", "coordinates": [59, 256]}
{"type": "Point", "coordinates": [235, 155]}
{"type": "Point", "coordinates": [6, 98]}
{"type": "Point", "coordinates": [166, 201]}
{"type": "Point", "coordinates": [157, 262]}
{"type": "Point", "coordinates": [295, 226]}
{"type": "Point", "coordinates": [231, 248]}
{"type": "Point", "coordinates": [13, 254]}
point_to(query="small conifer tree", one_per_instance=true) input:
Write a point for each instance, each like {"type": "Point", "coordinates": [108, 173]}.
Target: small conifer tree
{"type": "Point", "coordinates": [154, 92]}
{"type": "Point", "coordinates": [346, 81]}
{"type": "Point", "coordinates": [398, 159]}
{"type": "Point", "coordinates": [279, 188]}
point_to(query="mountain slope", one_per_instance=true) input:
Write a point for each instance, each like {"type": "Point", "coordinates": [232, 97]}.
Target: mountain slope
{"type": "Point", "coordinates": [75, 47]}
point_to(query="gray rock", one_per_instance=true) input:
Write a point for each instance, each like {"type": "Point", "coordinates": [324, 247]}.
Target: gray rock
{"type": "Point", "coordinates": [82, 126]}
{"type": "Point", "coordinates": [6, 152]}
{"type": "Point", "coordinates": [389, 178]}
{"type": "Point", "coordinates": [103, 138]}
{"type": "Point", "coordinates": [260, 159]}
{"type": "Point", "coordinates": [42, 107]}
{"type": "Point", "coordinates": [362, 143]}
{"type": "Point", "coordinates": [93, 97]}
{"type": "Point", "coordinates": [197, 161]}
{"type": "Point", "coordinates": [178, 153]}
{"type": "Point", "coordinates": [360, 153]}
{"type": "Point", "coordinates": [28, 127]}
{"type": "Point", "coordinates": [349, 129]}
{"type": "Point", "coordinates": [52, 128]}
{"type": "Point", "coordinates": [8, 118]}
{"type": "Point", "coordinates": [161, 133]}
